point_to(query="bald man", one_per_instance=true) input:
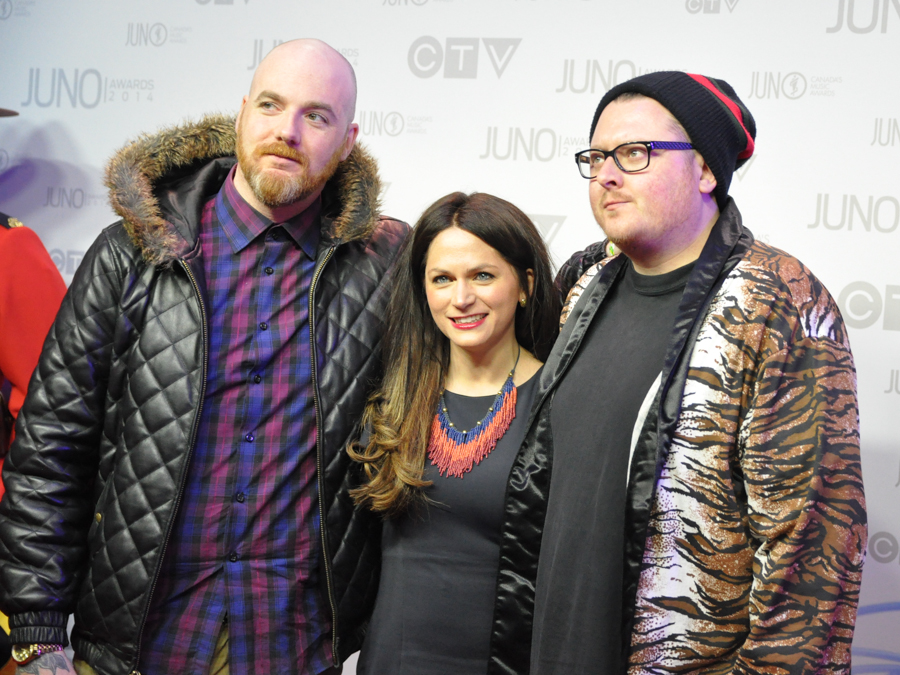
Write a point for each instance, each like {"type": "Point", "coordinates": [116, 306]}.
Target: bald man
{"type": "Point", "coordinates": [178, 480]}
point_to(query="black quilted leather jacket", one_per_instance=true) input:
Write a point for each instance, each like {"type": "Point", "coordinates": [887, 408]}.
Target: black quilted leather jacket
{"type": "Point", "coordinates": [105, 437]}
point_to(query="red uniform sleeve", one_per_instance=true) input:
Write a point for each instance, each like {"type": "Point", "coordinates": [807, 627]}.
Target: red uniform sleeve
{"type": "Point", "coordinates": [31, 290]}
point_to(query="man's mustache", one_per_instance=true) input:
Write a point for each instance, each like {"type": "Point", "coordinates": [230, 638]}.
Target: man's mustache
{"type": "Point", "coordinates": [282, 150]}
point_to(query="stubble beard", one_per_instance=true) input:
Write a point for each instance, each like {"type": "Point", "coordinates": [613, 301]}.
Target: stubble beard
{"type": "Point", "coordinates": [623, 239]}
{"type": "Point", "coordinates": [274, 189]}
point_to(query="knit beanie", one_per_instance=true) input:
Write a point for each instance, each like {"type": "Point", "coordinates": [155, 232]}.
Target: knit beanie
{"type": "Point", "coordinates": [718, 123]}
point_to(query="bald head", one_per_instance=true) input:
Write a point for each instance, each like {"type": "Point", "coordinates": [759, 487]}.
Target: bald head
{"type": "Point", "coordinates": [295, 127]}
{"type": "Point", "coordinates": [304, 59]}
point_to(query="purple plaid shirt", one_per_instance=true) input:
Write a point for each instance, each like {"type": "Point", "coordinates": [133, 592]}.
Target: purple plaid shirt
{"type": "Point", "coordinates": [245, 541]}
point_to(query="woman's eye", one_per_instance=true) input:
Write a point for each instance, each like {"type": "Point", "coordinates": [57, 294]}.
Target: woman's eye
{"type": "Point", "coordinates": [484, 276]}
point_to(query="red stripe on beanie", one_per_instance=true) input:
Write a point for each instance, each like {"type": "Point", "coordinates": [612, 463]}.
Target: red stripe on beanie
{"type": "Point", "coordinates": [733, 107]}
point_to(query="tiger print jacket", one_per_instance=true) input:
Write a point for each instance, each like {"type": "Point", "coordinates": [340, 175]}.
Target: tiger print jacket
{"type": "Point", "coordinates": [746, 521]}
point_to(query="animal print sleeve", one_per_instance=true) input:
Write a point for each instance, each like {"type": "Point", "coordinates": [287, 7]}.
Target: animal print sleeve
{"type": "Point", "coordinates": [806, 509]}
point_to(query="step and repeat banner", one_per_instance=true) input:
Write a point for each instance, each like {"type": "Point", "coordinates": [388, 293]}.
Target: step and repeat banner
{"type": "Point", "coordinates": [496, 96]}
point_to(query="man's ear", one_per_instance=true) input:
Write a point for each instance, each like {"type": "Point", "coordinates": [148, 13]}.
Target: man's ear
{"type": "Point", "coordinates": [237, 119]}
{"type": "Point", "coordinates": [352, 133]}
{"type": "Point", "coordinates": [707, 179]}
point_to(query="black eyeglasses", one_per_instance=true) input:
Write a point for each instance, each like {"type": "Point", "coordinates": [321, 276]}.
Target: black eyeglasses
{"type": "Point", "coordinates": [630, 157]}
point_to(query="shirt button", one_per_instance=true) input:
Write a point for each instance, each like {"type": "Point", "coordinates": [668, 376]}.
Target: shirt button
{"type": "Point", "coordinates": [264, 326]}
{"type": "Point", "coordinates": [233, 557]}
{"type": "Point", "coordinates": [270, 270]}
{"type": "Point", "coordinates": [250, 437]}
{"type": "Point", "coordinates": [240, 497]}
{"type": "Point", "coordinates": [257, 379]}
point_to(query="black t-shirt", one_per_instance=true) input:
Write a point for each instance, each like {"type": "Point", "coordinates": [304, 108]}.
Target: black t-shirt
{"type": "Point", "coordinates": [439, 563]}
{"type": "Point", "coordinates": [578, 603]}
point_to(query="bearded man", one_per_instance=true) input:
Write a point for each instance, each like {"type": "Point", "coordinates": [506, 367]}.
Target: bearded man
{"type": "Point", "coordinates": [178, 480]}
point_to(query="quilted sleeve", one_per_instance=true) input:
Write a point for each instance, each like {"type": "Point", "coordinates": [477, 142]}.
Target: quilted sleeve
{"type": "Point", "coordinates": [46, 511]}
{"type": "Point", "coordinates": [806, 506]}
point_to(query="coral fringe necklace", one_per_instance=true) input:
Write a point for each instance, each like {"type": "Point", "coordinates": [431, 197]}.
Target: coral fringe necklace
{"type": "Point", "coordinates": [456, 452]}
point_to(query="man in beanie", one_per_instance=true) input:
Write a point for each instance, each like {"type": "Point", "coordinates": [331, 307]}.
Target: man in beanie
{"type": "Point", "coordinates": [689, 497]}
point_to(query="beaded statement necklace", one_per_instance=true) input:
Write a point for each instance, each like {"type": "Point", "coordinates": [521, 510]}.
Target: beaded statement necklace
{"type": "Point", "coordinates": [455, 452]}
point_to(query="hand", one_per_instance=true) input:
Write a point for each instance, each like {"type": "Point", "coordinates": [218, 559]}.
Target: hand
{"type": "Point", "coordinates": [53, 663]}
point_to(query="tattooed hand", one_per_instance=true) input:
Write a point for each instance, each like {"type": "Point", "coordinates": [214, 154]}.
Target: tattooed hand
{"type": "Point", "coordinates": [54, 663]}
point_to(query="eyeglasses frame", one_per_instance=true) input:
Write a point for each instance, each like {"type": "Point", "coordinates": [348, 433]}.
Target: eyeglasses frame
{"type": "Point", "coordinates": [650, 145]}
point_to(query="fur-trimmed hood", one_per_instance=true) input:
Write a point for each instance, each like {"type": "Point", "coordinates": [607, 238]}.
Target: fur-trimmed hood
{"type": "Point", "coordinates": [351, 197]}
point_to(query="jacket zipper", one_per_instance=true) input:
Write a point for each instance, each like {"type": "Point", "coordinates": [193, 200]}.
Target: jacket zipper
{"type": "Point", "coordinates": [320, 478]}
{"type": "Point", "coordinates": [193, 440]}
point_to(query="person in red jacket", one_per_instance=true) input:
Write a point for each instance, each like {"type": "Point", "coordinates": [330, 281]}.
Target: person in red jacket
{"type": "Point", "coordinates": [31, 290]}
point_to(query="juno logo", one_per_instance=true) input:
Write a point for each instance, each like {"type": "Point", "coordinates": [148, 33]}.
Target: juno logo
{"type": "Point", "coordinates": [614, 73]}
{"type": "Point", "coordinates": [776, 85]}
{"type": "Point", "coordinates": [883, 213]}
{"type": "Point", "coordinates": [380, 124]}
{"type": "Point", "coordinates": [879, 9]}
{"type": "Point", "coordinates": [84, 88]}
{"type": "Point", "coordinates": [143, 34]}
{"type": "Point", "coordinates": [887, 131]}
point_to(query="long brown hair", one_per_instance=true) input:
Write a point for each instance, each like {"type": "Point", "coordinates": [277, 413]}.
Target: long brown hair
{"type": "Point", "coordinates": [399, 415]}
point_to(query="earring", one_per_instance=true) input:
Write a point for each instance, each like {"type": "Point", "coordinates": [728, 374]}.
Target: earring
{"type": "Point", "coordinates": [522, 301]}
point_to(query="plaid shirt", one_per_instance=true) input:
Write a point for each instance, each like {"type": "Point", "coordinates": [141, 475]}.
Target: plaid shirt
{"type": "Point", "coordinates": [245, 542]}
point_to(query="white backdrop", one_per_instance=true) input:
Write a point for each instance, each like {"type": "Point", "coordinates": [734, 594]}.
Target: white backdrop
{"type": "Point", "coordinates": [496, 96]}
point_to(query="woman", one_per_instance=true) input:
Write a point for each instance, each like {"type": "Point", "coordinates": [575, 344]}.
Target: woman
{"type": "Point", "coordinates": [473, 312]}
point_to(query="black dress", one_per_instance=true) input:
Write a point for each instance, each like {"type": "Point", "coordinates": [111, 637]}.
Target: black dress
{"type": "Point", "coordinates": [439, 561]}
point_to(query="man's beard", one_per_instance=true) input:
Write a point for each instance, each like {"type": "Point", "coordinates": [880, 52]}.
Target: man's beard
{"type": "Point", "coordinates": [274, 189]}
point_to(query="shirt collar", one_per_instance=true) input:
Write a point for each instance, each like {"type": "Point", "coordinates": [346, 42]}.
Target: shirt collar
{"type": "Point", "coordinates": [242, 223]}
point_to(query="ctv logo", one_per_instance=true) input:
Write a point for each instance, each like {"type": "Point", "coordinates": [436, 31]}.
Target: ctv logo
{"type": "Point", "coordinates": [884, 548]}
{"type": "Point", "coordinates": [547, 225]}
{"type": "Point", "coordinates": [459, 56]}
{"type": "Point", "coordinates": [709, 6]}
{"type": "Point", "coordinates": [66, 261]}
{"type": "Point", "coordinates": [862, 305]}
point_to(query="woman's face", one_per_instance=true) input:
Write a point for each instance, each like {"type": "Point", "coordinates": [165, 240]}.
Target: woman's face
{"type": "Point", "coordinates": [472, 293]}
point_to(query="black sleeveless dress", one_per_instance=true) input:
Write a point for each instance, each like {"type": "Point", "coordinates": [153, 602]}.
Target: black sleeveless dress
{"type": "Point", "coordinates": [439, 568]}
